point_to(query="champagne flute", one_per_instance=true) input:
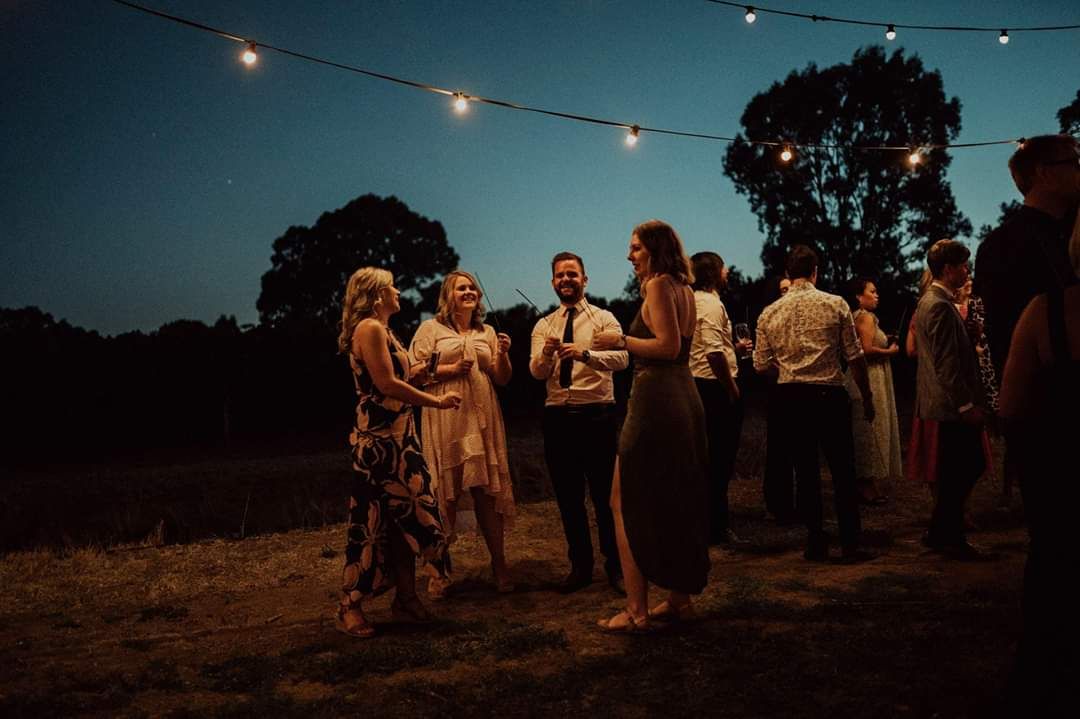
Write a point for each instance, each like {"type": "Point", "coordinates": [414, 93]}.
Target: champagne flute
{"type": "Point", "coordinates": [742, 337]}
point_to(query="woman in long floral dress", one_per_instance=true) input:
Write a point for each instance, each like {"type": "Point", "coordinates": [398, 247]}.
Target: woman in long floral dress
{"type": "Point", "coordinates": [393, 516]}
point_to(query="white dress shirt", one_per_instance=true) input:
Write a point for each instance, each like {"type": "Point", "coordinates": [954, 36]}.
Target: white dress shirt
{"type": "Point", "coordinates": [712, 333]}
{"type": "Point", "coordinates": [590, 383]}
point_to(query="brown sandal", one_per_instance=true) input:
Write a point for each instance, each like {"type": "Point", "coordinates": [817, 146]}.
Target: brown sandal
{"type": "Point", "coordinates": [362, 629]}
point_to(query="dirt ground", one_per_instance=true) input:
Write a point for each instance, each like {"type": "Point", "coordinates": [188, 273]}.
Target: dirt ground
{"type": "Point", "coordinates": [244, 628]}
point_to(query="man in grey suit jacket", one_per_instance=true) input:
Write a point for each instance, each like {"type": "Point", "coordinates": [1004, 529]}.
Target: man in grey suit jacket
{"type": "Point", "coordinates": [949, 391]}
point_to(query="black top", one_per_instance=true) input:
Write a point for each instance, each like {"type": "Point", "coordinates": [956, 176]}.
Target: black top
{"type": "Point", "coordinates": [1026, 256]}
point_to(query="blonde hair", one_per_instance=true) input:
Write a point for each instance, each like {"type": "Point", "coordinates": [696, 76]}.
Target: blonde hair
{"type": "Point", "coordinates": [361, 299]}
{"type": "Point", "coordinates": [445, 309]}
{"type": "Point", "coordinates": [925, 281]}
{"type": "Point", "coordinates": [666, 253]}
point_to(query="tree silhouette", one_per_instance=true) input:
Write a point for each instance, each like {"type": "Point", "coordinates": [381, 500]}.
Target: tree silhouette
{"type": "Point", "coordinates": [1069, 117]}
{"type": "Point", "coordinates": [867, 213]}
{"type": "Point", "coordinates": [311, 264]}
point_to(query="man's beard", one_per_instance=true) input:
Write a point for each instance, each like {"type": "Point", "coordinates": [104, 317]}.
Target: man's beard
{"type": "Point", "coordinates": [578, 293]}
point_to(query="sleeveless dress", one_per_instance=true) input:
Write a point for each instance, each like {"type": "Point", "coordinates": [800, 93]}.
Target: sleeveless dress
{"type": "Point", "coordinates": [466, 448]}
{"type": "Point", "coordinates": [877, 443]}
{"type": "Point", "coordinates": [390, 485]}
{"type": "Point", "coordinates": [663, 453]}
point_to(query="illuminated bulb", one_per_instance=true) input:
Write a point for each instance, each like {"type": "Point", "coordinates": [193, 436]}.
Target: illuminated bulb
{"type": "Point", "coordinates": [1004, 37]}
{"type": "Point", "coordinates": [461, 103]}
{"type": "Point", "coordinates": [890, 33]}
{"type": "Point", "coordinates": [751, 16]}
{"type": "Point", "coordinates": [786, 154]}
{"type": "Point", "coordinates": [914, 158]}
{"type": "Point", "coordinates": [250, 56]}
{"type": "Point", "coordinates": [632, 136]}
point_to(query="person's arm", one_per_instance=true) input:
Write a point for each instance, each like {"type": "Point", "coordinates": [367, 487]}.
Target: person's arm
{"type": "Point", "coordinates": [719, 365]}
{"type": "Point", "coordinates": [369, 344]}
{"type": "Point", "coordinates": [909, 343]}
{"type": "Point", "coordinates": [764, 361]}
{"type": "Point", "coordinates": [609, 360]}
{"type": "Point", "coordinates": [500, 369]}
{"type": "Point", "coordinates": [866, 328]}
{"type": "Point", "coordinates": [542, 350]}
{"type": "Point", "coordinates": [1023, 364]}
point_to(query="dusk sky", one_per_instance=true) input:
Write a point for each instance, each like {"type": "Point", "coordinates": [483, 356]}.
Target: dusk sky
{"type": "Point", "coordinates": [146, 171]}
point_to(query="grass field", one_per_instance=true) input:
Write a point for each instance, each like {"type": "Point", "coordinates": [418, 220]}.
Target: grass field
{"type": "Point", "coordinates": [225, 627]}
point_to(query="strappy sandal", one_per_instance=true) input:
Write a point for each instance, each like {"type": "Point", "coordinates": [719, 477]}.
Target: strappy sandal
{"type": "Point", "coordinates": [410, 610]}
{"type": "Point", "coordinates": [668, 612]}
{"type": "Point", "coordinates": [438, 588]}
{"type": "Point", "coordinates": [362, 629]}
{"type": "Point", "coordinates": [624, 623]}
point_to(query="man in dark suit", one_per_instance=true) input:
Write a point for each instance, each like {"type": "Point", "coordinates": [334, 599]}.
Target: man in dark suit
{"type": "Point", "coordinates": [949, 391]}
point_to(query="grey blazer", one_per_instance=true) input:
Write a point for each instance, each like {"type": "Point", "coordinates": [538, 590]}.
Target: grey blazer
{"type": "Point", "coordinates": [948, 373]}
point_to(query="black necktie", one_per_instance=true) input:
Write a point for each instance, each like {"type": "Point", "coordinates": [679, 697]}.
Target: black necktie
{"type": "Point", "coordinates": [567, 366]}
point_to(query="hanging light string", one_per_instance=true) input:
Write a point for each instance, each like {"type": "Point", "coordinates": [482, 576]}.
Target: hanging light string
{"type": "Point", "coordinates": [752, 11]}
{"type": "Point", "coordinates": [461, 99]}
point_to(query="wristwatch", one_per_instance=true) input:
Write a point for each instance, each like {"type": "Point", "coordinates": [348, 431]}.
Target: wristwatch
{"type": "Point", "coordinates": [585, 356]}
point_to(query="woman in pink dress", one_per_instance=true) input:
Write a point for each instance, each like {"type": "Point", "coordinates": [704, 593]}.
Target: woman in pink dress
{"type": "Point", "coordinates": [467, 451]}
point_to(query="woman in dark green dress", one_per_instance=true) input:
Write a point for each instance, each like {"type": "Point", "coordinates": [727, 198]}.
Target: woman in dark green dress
{"type": "Point", "coordinates": [393, 516]}
{"type": "Point", "coordinates": [659, 495]}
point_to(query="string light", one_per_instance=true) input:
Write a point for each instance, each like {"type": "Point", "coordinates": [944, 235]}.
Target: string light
{"type": "Point", "coordinates": [250, 56]}
{"type": "Point", "coordinates": [786, 154]}
{"type": "Point", "coordinates": [914, 158]}
{"type": "Point", "coordinates": [890, 32]}
{"type": "Point", "coordinates": [752, 13]}
{"type": "Point", "coordinates": [1003, 38]}
{"type": "Point", "coordinates": [461, 101]}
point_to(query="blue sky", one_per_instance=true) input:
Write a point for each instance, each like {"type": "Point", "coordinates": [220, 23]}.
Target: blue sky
{"type": "Point", "coordinates": [146, 172]}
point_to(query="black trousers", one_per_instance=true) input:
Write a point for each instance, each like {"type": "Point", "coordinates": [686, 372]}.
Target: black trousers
{"type": "Point", "coordinates": [779, 481]}
{"type": "Point", "coordinates": [960, 464]}
{"type": "Point", "coordinates": [812, 417]}
{"type": "Point", "coordinates": [723, 425]}
{"type": "Point", "coordinates": [579, 445]}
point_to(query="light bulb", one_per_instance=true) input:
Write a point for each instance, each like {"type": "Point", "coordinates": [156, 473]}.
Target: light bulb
{"type": "Point", "coordinates": [461, 103]}
{"type": "Point", "coordinates": [1004, 37]}
{"type": "Point", "coordinates": [786, 154]}
{"type": "Point", "coordinates": [632, 136]}
{"type": "Point", "coordinates": [250, 56]}
{"type": "Point", "coordinates": [914, 158]}
{"type": "Point", "coordinates": [751, 16]}
{"type": "Point", "coordinates": [890, 33]}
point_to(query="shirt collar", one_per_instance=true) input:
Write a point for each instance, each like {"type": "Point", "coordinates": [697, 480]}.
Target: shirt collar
{"type": "Point", "coordinates": [579, 307]}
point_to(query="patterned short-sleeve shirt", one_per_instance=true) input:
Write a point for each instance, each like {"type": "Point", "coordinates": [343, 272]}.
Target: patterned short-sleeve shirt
{"type": "Point", "coordinates": [803, 334]}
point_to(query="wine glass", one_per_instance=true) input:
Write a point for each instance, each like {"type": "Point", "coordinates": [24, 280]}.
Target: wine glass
{"type": "Point", "coordinates": [742, 338]}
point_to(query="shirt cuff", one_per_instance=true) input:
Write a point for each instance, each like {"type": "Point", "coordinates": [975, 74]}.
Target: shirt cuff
{"type": "Point", "coordinates": [966, 407]}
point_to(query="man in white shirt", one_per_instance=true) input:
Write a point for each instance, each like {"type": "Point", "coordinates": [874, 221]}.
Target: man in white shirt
{"type": "Point", "coordinates": [714, 365]}
{"type": "Point", "coordinates": [579, 425]}
{"type": "Point", "coordinates": [802, 336]}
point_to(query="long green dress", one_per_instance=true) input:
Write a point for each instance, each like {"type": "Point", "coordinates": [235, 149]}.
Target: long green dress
{"type": "Point", "coordinates": [663, 453]}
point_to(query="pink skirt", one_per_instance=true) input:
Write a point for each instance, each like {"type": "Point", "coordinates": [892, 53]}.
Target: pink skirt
{"type": "Point", "coordinates": [922, 452]}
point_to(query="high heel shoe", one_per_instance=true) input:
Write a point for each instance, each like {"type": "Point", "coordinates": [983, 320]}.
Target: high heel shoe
{"type": "Point", "coordinates": [360, 627]}
{"type": "Point", "coordinates": [410, 610]}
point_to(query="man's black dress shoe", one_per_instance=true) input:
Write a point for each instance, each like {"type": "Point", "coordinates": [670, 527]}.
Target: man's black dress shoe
{"type": "Point", "coordinates": [817, 548]}
{"type": "Point", "coordinates": [574, 581]}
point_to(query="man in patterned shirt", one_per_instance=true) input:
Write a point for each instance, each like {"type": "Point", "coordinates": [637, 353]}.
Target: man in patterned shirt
{"type": "Point", "coordinates": [802, 336]}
